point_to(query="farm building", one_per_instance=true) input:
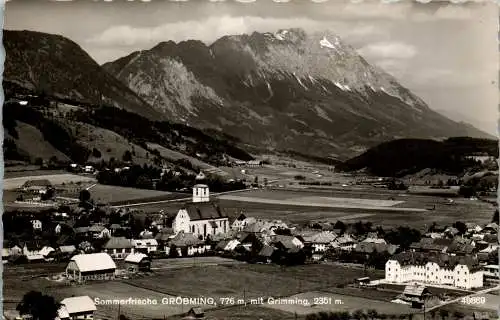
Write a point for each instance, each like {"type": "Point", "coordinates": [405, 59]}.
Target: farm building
{"type": "Point", "coordinates": [195, 313]}
{"type": "Point", "coordinates": [118, 247]}
{"type": "Point", "coordinates": [94, 266]}
{"type": "Point", "coordinates": [38, 186]}
{"type": "Point", "coordinates": [415, 295]}
{"type": "Point", "coordinates": [81, 307]}
{"type": "Point", "coordinates": [202, 217]}
{"type": "Point", "coordinates": [137, 262]}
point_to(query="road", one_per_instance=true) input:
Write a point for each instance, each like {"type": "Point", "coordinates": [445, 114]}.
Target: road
{"type": "Point", "coordinates": [458, 300]}
{"type": "Point", "coordinates": [172, 200]}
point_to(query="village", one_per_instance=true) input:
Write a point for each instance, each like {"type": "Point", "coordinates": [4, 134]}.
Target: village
{"type": "Point", "coordinates": [89, 245]}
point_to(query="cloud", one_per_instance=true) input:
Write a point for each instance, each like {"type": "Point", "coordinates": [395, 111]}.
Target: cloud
{"type": "Point", "coordinates": [389, 50]}
{"type": "Point", "coordinates": [207, 30]}
{"type": "Point", "coordinates": [395, 67]}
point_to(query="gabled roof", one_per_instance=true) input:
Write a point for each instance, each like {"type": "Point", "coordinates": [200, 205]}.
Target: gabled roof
{"type": "Point", "coordinates": [266, 251]}
{"type": "Point", "coordinates": [94, 262]}
{"type": "Point", "coordinates": [136, 257]}
{"type": "Point", "coordinates": [67, 249]}
{"type": "Point", "coordinates": [414, 290]}
{"type": "Point", "coordinates": [97, 228]}
{"type": "Point", "coordinates": [165, 234]}
{"type": "Point", "coordinates": [79, 304]}
{"type": "Point", "coordinates": [204, 211]}
{"type": "Point", "coordinates": [118, 243]}
{"type": "Point", "coordinates": [82, 230]}
{"type": "Point", "coordinates": [185, 240]}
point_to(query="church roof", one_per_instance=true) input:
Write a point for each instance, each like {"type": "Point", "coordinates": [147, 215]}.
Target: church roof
{"type": "Point", "coordinates": [204, 211]}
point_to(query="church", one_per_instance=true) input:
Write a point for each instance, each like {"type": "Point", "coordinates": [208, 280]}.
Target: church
{"type": "Point", "coordinates": [202, 217]}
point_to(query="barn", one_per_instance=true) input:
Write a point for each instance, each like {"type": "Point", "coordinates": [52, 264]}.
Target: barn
{"type": "Point", "coordinates": [94, 266]}
{"type": "Point", "coordinates": [137, 262]}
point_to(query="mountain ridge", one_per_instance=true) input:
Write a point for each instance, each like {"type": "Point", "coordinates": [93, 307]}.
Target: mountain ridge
{"type": "Point", "coordinates": [326, 99]}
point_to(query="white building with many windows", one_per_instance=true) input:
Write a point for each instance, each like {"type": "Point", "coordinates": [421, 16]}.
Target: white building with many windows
{"type": "Point", "coordinates": [202, 217]}
{"type": "Point", "coordinates": [461, 272]}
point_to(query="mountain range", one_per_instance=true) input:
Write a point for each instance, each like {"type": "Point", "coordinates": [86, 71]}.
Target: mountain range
{"type": "Point", "coordinates": [285, 91]}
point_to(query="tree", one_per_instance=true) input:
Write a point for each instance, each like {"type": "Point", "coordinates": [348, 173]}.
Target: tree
{"type": "Point", "coordinates": [458, 315]}
{"type": "Point", "coordinates": [96, 153]}
{"type": "Point", "coordinates": [358, 314]}
{"type": "Point", "coordinates": [495, 217]}
{"type": "Point", "coordinates": [460, 226]}
{"type": "Point", "coordinates": [127, 156]}
{"type": "Point", "coordinates": [443, 314]}
{"type": "Point", "coordinates": [39, 306]}
{"type": "Point", "coordinates": [84, 196]}
{"type": "Point", "coordinates": [38, 161]}
{"type": "Point", "coordinates": [372, 313]}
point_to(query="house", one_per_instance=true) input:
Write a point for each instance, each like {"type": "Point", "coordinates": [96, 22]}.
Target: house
{"type": "Point", "coordinates": [491, 271]}
{"type": "Point", "coordinates": [201, 217]}
{"type": "Point", "coordinates": [137, 262]}
{"type": "Point", "coordinates": [473, 228]}
{"type": "Point", "coordinates": [429, 245]}
{"type": "Point", "coordinates": [462, 247]}
{"type": "Point", "coordinates": [491, 228]}
{"type": "Point", "coordinates": [441, 269]}
{"type": "Point", "coordinates": [266, 254]}
{"type": "Point", "coordinates": [15, 251]}
{"type": "Point", "coordinates": [98, 231]}
{"type": "Point", "coordinates": [37, 225]}
{"type": "Point", "coordinates": [81, 307]}
{"type": "Point", "coordinates": [370, 247]}
{"type": "Point", "coordinates": [46, 251]}
{"type": "Point", "coordinates": [94, 266]}
{"type": "Point", "coordinates": [118, 247]}
{"type": "Point", "coordinates": [287, 242]}
{"type": "Point", "coordinates": [241, 222]}
{"type": "Point", "coordinates": [82, 232]}
{"type": "Point", "coordinates": [344, 242]}
{"type": "Point", "coordinates": [145, 245]}
{"type": "Point", "coordinates": [318, 241]}
{"type": "Point", "coordinates": [37, 186]}
{"type": "Point", "coordinates": [187, 244]}
{"type": "Point", "coordinates": [163, 237]}
{"type": "Point", "coordinates": [195, 313]}
{"type": "Point", "coordinates": [227, 245]}
{"type": "Point", "coordinates": [67, 249]}
{"type": "Point", "coordinates": [32, 248]}
{"type": "Point", "coordinates": [254, 163]}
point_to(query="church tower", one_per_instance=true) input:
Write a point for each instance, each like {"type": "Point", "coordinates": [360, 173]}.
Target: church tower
{"type": "Point", "coordinates": [201, 193]}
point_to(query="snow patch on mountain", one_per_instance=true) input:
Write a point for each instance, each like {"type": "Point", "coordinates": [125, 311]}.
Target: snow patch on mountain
{"type": "Point", "coordinates": [325, 43]}
{"type": "Point", "coordinates": [299, 81]}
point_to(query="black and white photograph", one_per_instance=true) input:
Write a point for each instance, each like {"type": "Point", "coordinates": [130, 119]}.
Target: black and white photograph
{"type": "Point", "coordinates": [250, 160]}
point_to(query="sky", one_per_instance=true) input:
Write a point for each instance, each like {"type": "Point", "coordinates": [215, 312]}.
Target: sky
{"type": "Point", "coordinates": [446, 53]}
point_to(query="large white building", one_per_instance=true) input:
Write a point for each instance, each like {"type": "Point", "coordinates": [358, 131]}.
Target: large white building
{"type": "Point", "coordinates": [201, 217]}
{"type": "Point", "coordinates": [461, 272]}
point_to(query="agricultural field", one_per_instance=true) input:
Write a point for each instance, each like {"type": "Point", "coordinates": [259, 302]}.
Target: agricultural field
{"type": "Point", "coordinates": [20, 172]}
{"type": "Point", "coordinates": [249, 312]}
{"type": "Point", "coordinates": [431, 208]}
{"type": "Point", "coordinates": [114, 194]}
{"type": "Point", "coordinates": [55, 179]}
